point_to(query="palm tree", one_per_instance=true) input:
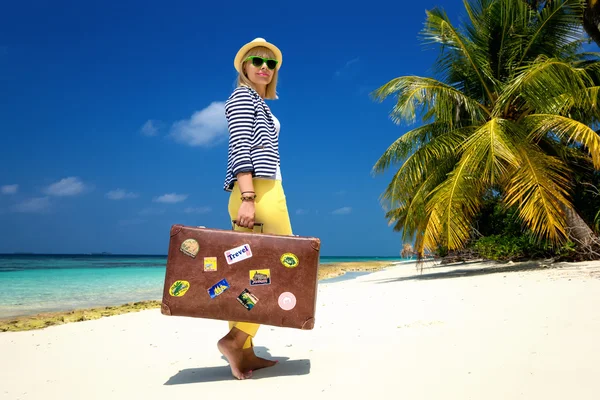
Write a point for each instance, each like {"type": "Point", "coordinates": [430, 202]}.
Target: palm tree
{"type": "Point", "coordinates": [511, 110]}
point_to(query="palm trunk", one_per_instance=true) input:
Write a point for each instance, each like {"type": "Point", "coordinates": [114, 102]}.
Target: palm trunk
{"type": "Point", "coordinates": [579, 231]}
{"type": "Point", "coordinates": [591, 20]}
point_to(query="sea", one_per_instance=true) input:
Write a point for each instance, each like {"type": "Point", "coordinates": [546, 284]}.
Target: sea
{"type": "Point", "coordinates": [36, 283]}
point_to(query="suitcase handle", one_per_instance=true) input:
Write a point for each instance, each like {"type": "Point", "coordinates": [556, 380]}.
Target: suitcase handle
{"type": "Point", "coordinates": [233, 223]}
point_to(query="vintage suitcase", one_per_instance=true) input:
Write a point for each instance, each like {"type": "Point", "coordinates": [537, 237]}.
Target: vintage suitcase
{"type": "Point", "coordinates": [241, 276]}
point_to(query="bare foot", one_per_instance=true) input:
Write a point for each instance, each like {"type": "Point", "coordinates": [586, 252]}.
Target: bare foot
{"type": "Point", "coordinates": [252, 362]}
{"type": "Point", "coordinates": [235, 356]}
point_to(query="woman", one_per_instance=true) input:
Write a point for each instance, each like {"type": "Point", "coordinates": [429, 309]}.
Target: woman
{"type": "Point", "coordinates": [253, 176]}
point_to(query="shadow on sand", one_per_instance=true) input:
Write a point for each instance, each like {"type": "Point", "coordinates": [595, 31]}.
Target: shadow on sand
{"type": "Point", "coordinates": [491, 268]}
{"type": "Point", "coordinates": [285, 367]}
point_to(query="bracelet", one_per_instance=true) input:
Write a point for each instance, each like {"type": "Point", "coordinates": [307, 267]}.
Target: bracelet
{"type": "Point", "coordinates": [248, 198]}
{"type": "Point", "coordinates": [248, 192]}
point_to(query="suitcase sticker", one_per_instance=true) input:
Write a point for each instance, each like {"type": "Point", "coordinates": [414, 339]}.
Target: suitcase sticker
{"type": "Point", "coordinates": [218, 288]}
{"type": "Point", "coordinates": [190, 247]}
{"type": "Point", "coordinates": [260, 277]}
{"type": "Point", "coordinates": [238, 254]}
{"type": "Point", "coordinates": [178, 288]}
{"type": "Point", "coordinates": [247, 299]}
{"type": "Point", "coordinates": [287, 301]}
{"type": "Point", "coordinates": [289, 260]}
{"type": "Point", "coordinates": [210, 264]}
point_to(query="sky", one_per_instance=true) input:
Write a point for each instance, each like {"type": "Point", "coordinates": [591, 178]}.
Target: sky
{"type": "Point", "coordinates": [112, 126]}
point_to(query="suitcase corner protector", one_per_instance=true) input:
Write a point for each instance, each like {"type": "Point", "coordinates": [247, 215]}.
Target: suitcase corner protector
{"type": "Point", "coordinates": [175, 229]}
{"type": "Point", "coordinates": [316, 244]}
{"type": "Point", "coordinates": [308, 324]}
{"type": "Point", "coordinates": [164, 309]}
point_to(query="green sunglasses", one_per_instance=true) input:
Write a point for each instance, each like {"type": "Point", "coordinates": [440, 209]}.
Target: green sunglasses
{"type": "Point", "coordinates": [259, 61]}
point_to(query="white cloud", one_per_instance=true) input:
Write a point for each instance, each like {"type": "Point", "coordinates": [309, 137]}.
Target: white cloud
{"type": "Point", "coordinates": [66, 187]}
{"type": "Point", "coordinates": [149, 128]}
{"type": "Point", "coordinates": [9, 189]}
{"type": "Point", "coordinates": [343, 210]}
{"type": "Point", "coordinates": [197, 210]}
{"type": "Point", "coordinates": [205, 127]}
{"type": "Point", "coordinates": [171, 198]}
{"type": "Point", "coordinates": [301, 211]}
{"type": "Point", "coordinates": [36, 204]}
{"type": "Point", "coordinates": [120, 194]}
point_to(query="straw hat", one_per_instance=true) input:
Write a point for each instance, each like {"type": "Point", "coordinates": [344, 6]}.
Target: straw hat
{"type": "Point", "coordinates": [237, 62]}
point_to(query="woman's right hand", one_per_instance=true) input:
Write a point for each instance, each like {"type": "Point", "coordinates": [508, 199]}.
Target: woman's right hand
{"type": "Point", "coordinates": [245, 217]}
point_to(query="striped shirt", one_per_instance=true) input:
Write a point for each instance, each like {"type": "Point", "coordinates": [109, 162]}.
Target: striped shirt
{"type": "Point", "coordinates": [253, 137]}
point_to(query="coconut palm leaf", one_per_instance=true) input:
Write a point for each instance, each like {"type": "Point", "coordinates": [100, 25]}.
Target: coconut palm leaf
{"type": "Point", "coordinates": [492, 148]}
{"type": "Point", "coordinates": [415, 93]}
{"type": "Point", "coordinates": [542, 84]}
{"type": "Point", "coordinates": [439, 150]}
{"type": "Point", "coordinates": [510, 21]}
{"type": "Point", "coordinates": [539, 188]}
{"type": "Point", "coordinates": [438, 29]}
{"type": "Point", "coordinates": [571, 130]}
{"type": "Point", "coordinates": [452, 205]}
{"type": "Point", "coordinates": [411, 213]}
{"type": "Point", "coordinates": [558, 25]}
{"type": "Point", "coordinates": [400, 149]}
{"type": "Point", "coordinates": [584, 101]}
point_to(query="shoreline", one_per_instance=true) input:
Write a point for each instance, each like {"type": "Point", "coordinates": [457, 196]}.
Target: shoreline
{"type": "Point", "coordinates": [45, 319]}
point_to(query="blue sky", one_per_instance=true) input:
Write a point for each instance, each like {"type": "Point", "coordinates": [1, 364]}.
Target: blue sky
{"type": "Point", "coordinates": [95, 100]}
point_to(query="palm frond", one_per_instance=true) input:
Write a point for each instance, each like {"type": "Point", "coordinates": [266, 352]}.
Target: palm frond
{"type": "Point", "coordinates": [492, 148]}
{"type": "Point", "coordinates": [564, 127]}
{"type": "Point", "coordinates": [585, 101]}
{"type": "Point", "coordinates": [410, 213]}
{"type": "Point", "coordinates": [510, 19]}
{"type": "Point", "coordinates": [452, 205]}
{"type": "Point", "coordinates": [539, 189]}
{"type": "Point", "coordinates": [415, 92]}
{"type": "Point", "coordinates": [402, 147]}
{"type": "Point", "coordinates": [439, 30]}
{"type": "Point", "coordinates": [541, 84]}
{"type": "Point", "coordinates": [424, 159]}
{"type": "Point", "coordinates": [558, 25]}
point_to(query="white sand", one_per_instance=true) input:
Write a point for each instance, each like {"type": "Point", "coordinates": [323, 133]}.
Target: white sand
{"type": "Point", "coordinates": [506, 335]}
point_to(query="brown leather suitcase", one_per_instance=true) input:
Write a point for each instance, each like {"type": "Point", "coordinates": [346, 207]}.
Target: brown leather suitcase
{"type": "Point", "coordinates": [241, 276]}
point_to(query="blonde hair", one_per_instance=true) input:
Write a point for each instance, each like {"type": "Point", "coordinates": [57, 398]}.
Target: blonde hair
{"type": "Point", "coordinates": [242, 80]}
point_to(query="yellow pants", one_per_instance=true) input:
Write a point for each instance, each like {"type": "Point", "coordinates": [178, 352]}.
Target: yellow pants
{"type": "Point", "coordinates": [270, 210]}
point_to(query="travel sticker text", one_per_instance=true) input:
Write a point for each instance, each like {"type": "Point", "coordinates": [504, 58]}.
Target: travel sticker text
{"type": "Point", "coordinates": [238, 254]}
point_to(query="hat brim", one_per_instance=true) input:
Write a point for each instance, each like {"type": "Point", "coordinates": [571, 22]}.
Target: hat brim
{"type": "Point", "coordinates": [237, 62]}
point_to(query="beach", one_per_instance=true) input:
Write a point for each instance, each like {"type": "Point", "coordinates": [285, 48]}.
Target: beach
{"type": "Point", "coordinates": [460, 331]}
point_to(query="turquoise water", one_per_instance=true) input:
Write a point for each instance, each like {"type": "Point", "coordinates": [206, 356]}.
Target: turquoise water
{"type": "Point", "coordinates": [30, 284]}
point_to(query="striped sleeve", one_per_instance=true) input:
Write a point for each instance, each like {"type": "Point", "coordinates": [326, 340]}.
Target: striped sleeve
{"type": "Point", "coordinates": [239, 111]}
